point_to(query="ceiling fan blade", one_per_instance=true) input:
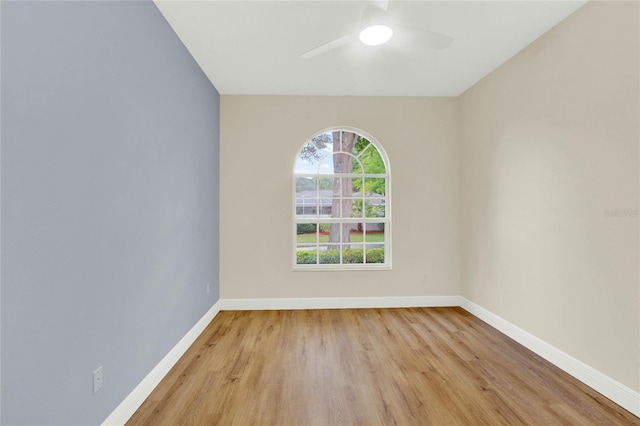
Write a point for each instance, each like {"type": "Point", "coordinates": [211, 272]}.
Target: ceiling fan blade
{"type": "Point", "coordinates": [426, 38]}
{"type": "Point", "coordinates": [328, 46]}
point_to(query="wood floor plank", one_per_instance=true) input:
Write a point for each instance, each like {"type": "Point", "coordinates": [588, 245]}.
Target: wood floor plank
{"type": "Point", "coordinates": [409, 366]}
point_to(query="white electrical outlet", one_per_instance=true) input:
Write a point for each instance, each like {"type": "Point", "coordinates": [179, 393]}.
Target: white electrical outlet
{"type": "Point", "coordinates": [98, 379]}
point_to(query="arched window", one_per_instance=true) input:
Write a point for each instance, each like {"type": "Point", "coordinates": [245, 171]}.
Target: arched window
{"type": "Point", "coordinates": [342, 203]}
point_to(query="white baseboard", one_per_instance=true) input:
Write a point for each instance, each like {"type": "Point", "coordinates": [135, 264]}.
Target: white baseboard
{"type": "Point", "coordinates": [610, 388]}
{"type": "Point", "coordinates": [338, 303]}
{"type": "Point", "coordinates": [615, 391]}
{"type": "Point", "coordinates": [131, 403]}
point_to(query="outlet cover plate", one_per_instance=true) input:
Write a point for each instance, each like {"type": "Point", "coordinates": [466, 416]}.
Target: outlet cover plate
{"type": "Point", "coordinates": [98, 379]}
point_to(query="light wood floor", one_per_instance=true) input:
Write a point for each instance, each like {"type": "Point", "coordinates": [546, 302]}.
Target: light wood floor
{"type": "Point", "coordinates": [417, 366]}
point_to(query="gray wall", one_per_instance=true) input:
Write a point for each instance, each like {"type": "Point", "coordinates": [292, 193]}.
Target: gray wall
{"type": "Point", "coordinates": [110, 142]}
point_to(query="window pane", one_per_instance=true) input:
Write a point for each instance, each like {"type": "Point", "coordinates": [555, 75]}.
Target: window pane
{"type": "Point", "coordinates": [361, 146]}
{"type": "Point", "coordinates": [374, 255]}
{"type": "Point", "coordinates": [307, 256]}
{"type": "Point", "coordinates": [326, 166]}
{"type": "Point", "coordinates": [309, 157]}
{"type": "Point", "coordinates": [346, 187]}
{"type": "Point", "coordinates": [325, 183]}
{"type": "Point", "coordinates": [334, 235]}
{"type": "Point", "coordinates": [306, 187]}
{"type": "Point", "coordinates": [336, 208]}
{"type": "Point", "coordinates": [374, 233]}
{"type": "Point", "coordinates": [372, 161]}
{"type": "Point", "coordinates": [306, 207]}
{"type": "Point", "coordinates": [348, 140]}
{"type": "Point", "coordinates": [357, 208]}
{"type": "Point", "coordinates": [342, 163]}
{"type": "Point", "coordinates": [338, 233]}
{"type": "Point", "coordinates": [306, 233]}
{"type": "Point", "coordinates": [323, 142]}
{"type": "Point", "coordinates": [347, 207]}
{"type": "Point", "coordinates": [323, 237]}
{"type": "Point", "coordinates": [374, 186]}
{"type": "Point", "coordinates": [353, 254]}
{"type": "Point", "coordinates": [357, 184]}
{"type": "Point", "coordinates": [325, 205]}
{"type": "Point", "coordinates": [341, 207]}
{"type": "Point", "coordinates": [374, 238]}
{"type": "Point", "coordinates": [374, 207]}
{"type": "Point", "coordinates": [331, 256]}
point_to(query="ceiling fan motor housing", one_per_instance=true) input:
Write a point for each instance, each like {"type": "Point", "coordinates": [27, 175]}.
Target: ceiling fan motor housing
{"type": "Point", "coordinates": [374, 16]}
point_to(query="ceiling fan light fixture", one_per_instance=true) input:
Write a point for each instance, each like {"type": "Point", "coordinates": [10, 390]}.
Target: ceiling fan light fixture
{"type": "Point", "coordinates": [375, 35]}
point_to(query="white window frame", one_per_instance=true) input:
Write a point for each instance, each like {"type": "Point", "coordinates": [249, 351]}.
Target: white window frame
{"type": "Point", "coordinates": [364, 220]}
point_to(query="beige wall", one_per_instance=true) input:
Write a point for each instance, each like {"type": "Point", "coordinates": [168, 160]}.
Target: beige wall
{"type": "Point", "coordinates": [534, 156]}
{"type": "Point", "coordinates": [260, 137]}
{"type": "Point", "coordinates": [549, 143]}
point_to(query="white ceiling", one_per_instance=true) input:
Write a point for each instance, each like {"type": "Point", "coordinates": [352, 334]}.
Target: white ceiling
{"type": "Point", "coordinates": [254, 47]}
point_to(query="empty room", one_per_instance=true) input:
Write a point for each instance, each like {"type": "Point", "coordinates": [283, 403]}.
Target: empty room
{"type": "Point", "coordinates": [319, 212]}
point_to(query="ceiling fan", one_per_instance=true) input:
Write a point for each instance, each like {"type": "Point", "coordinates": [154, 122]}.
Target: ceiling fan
{"type": "Point", "coordinates": [376, 29]}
